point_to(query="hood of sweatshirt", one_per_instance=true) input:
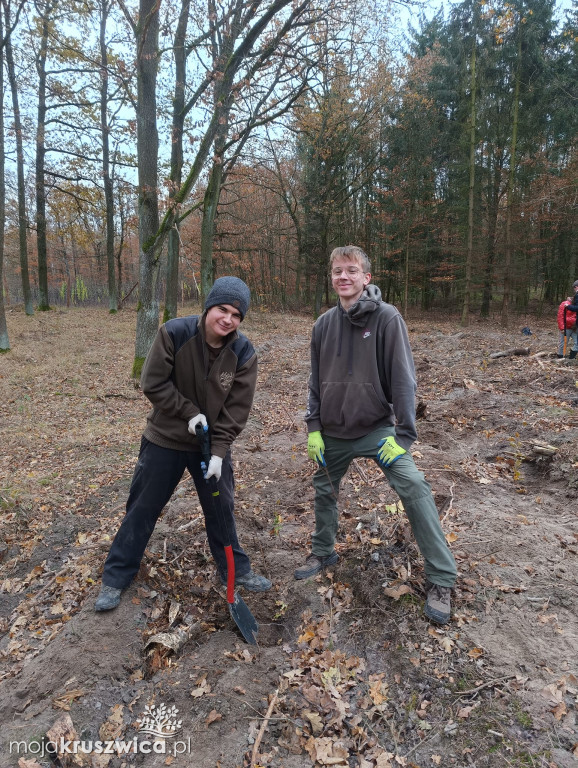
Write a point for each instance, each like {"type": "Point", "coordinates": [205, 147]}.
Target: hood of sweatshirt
{"type": "Point", "coordinates": [367, 303]}
{"type": "Point", "coordinates": [357, 314]}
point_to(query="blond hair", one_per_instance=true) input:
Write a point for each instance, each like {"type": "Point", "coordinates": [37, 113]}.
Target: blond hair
{"type": "Point", "coordinates": [351, 253]}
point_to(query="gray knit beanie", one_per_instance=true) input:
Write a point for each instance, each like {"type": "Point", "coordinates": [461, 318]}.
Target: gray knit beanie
{"type": "Point", "coordinates": [229, 290]}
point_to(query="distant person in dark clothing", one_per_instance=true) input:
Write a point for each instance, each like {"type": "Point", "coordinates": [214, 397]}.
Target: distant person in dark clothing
{"type": "Point", "coordinates": [199, 371]}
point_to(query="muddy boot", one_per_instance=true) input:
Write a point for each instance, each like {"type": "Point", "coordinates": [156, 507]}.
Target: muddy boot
{"type": "Point", "coordinates": [438, 603]}
{"type": "Point", "coordinates": [573, 354]}
{"type": "Point", "coordinates": [108, 599]}
{"type": "Point", "coordinates": [314, 564]}
{"type": "Point", "coordinates": [252, 581]}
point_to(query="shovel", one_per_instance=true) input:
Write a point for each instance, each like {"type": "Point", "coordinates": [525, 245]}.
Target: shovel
{"type": "Point", "coordinates": [565, 337]}
{"type": "Point", "coordinates": [238, 609]}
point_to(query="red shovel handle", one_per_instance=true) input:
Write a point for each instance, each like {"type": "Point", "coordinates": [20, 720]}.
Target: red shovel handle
{"type": "Point", "coordinates": [205, 443]}
{"type": "Point", "coordinates": [230, 574]}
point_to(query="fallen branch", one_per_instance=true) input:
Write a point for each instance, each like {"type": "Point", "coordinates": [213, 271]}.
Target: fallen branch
{"type": "Point", "coordinates": [510, 352]}
{"type": "Point", "coordinates": [451, 501]}
{"type": "Point", "coordinates": [262, 729]}
{"type": "Point", "coordinates": [489, 684]}
{"type": "Point", "coordinates": [185, 526]}
{"type": "Point", "coordinates": [360, 469]}
{"type": "Point", "coordinates": [125, 297]}
{"type": "Point", "coordinates": [119, 394]}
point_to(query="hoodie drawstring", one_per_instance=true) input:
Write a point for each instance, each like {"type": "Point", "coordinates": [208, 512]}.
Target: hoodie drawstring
{"type": "Point", "coordinates": [340, 343]}
{"type": "Point", "coordinates": [350, 356]}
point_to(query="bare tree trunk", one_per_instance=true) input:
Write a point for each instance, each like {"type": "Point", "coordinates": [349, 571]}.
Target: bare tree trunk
{"type": "Point", "coordinates": [146, 32]}
{"type": "Point", "coordinates": [505, 319]}
{"type": "Point", "coordinates": [22, 220]}
{"type": "Point", "coordinates": [470, 246]}
{"type": "Point", "coordinates": [4, 343]}
{"type": "Point", "coordinates": [210, 204]}
{"type": "Point", "coordinates": [44, 11]}
{"type": "Point", "coordinates": [222, 48]}
{"type": "Point", "coordinates": [107, 181]}
{"type": "Point", "coordinates": [493, 194]}
{"type": "Point", "coordinates": [406, 270]}
{"type": "Point", "coordinates": [291, 209]}
{"type": "Point", "coordinates": [180, 55]}
{"type": "Point", "coordinates": [122, 218]}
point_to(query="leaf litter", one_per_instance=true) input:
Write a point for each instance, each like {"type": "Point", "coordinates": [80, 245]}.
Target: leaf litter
{"type": "Point", "coordinates": [347, 671]}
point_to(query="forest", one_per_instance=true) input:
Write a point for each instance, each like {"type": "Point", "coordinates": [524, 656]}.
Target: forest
{"type": "Point", "coordinates": [149, 148]}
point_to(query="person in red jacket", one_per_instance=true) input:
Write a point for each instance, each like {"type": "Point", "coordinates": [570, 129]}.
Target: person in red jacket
{"type": "Point", "coordinates": [567, 324]}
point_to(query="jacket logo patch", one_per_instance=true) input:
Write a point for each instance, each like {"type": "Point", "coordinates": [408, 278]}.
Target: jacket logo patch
{"type": "Point", "coordinates": [226, 379]}
{"type": "Point", "coordinates": [366, 334]}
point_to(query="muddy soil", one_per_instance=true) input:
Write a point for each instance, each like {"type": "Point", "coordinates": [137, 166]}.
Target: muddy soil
{"type": "Point", "coordinates": [347, 671]}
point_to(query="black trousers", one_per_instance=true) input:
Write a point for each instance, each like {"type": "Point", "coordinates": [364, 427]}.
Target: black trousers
{"type": "Point", "coordinates": [157, 474]}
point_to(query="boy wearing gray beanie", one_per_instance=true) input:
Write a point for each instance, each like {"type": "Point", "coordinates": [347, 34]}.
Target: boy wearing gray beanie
{"type": "Point", "coordinates": [229, 290]}
{"type": "Point", "coordinates": [199, 371]}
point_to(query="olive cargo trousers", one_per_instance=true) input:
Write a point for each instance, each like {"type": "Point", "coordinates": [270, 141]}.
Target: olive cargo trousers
{"type": "Point", "coordinates": [406, 480]}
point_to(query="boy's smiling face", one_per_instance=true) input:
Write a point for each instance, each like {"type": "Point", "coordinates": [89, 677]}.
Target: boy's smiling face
{"type": "Point", "coordinates": [348, 280]}
{"type": "Point", "coordinates": [220, 321]}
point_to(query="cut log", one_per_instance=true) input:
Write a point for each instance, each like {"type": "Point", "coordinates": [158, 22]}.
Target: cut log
{"type": "Point", "coordinates": [510, 352]}
{"type": "Point", "coordinates": [544, 450]}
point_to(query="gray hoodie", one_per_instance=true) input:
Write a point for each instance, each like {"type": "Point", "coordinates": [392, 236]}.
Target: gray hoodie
{"type": "Point", "coordinates": [362, 372]}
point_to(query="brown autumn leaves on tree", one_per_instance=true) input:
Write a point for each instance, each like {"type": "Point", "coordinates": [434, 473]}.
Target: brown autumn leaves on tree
{"type": "Point", "coordinates": [288, 129]}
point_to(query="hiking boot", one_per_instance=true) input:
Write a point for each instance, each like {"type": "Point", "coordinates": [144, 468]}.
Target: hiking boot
{"type": "Point", "coordinates": [314, 564]}
{"type": "Point", "coordinates": [438, 603]}
{"type": "Point", "coordinates": [108, 599]}
{"type": "Point", "coordinates": [251, 581]}
{"type": "Point", "coordinates": [573, 354]}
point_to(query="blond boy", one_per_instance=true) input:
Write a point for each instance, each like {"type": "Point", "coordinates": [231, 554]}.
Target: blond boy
{"type": "Point", "coordinates": [362, 403]}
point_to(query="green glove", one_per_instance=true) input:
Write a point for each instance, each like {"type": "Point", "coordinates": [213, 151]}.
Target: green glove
{"type": "Point", "coordinates": [315, 448]}
{"type": "Point", "coordinates": [389, 451]}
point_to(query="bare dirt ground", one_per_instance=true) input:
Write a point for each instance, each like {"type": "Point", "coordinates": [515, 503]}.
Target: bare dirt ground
{"type": "Point", "coordinates": [347, 671]}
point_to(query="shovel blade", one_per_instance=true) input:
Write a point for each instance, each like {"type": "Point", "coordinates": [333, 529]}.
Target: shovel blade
{"type": "Point", "coordinates": [244, 619]}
